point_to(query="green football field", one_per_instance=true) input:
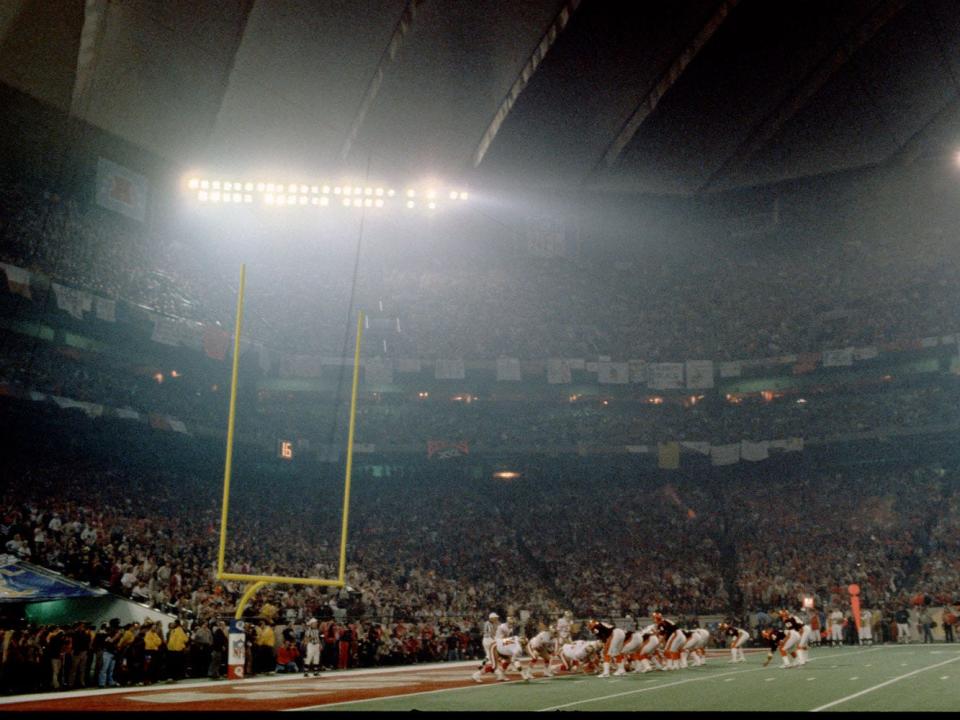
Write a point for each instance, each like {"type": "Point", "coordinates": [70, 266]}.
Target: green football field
{"type": "Point", "coordinates": [881, 678]}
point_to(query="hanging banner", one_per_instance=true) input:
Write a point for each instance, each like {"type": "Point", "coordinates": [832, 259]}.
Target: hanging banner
{"type": "Point", "coordinates": [446, 449]}
{"type": "Point", "coordinates": [699, 374]}
{"type": "Point", "coordinates": [301, 366]}
{"type": "Point", "coordinates": [121, 190]}
{"type": "Point", "coordinates": [838, 358]}
{"type": "Point", "coordinates": [106, 309]}
{"type": "Point", "coordinates": [725, 454]}
{"type": "Point", "coordinates": [378, 371]}
{"type": "Point", "coordinates": [215, 342]}
{"type": "Point", "coordinates": [666, 376]}
{"type": "Point", "coordinates": [695, 446]}
{"type": "Point", "coordinates": [865, 353]}
{"type": "Point", "coordinates": [806, 363]}
{"type": "Point", "coordinates": [558, 371]}
{"type": "Point", "coordinates": [73, 301]}
{"type": "Point", "coordinates": [408, 365]}
{"type": "Point", "coordinates": [638, 371]}
{"type": "Point", "coordinates": [18, 280]}
{"type": "Point", "coordinates": [508, 369]}
{"type": "Point", "coordinates": [754, 451]}
{"type": "Point", "coordinates": [793, 444]}
{"type": "Point", "coordinates": [450, 369]}
{"type": "Point", "coordinates": [668, 455]}
{"type": "Point", "coordinates": [613, 373]}
{"type": "Point", "coordinates": [730, 369]}
{"type": "Point", "coordinates": [177, 425]}
{"type": "Point", "coordinates": [91, 409]}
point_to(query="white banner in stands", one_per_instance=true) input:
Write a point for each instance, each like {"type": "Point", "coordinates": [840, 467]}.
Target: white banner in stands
{"type": "Point", "coordinates": [666, 376]}
{"type": "Point", "coordinates": [730, 369]}
{"type": "Point", "coordinates": [449, 369]}
{"type": "Point", "coordinates": [699, 374]}
{"type": "Point", "coordinates": [558, 371]}
{"type": "Point", "coordinates": [408, 365]}
{"type": "Point", "coordinates": [508, 369]}
{"type": "Point", "coordinates": [73, 301]}
{"type": "Point", "coordinates": [378, 371]}
{"type": "Point", "coordinates": [865, 353]}
{"type": "Point", "coordinates": [613, 373]}
{"type": "Point", "coordinates": [698, 446]}
{"type": "Point", "coordinates": [18, 280]}
{"type": "Point", "coordinates": [725, 454]}
{"type": "Point", "coordinates": [793, 444]}
{"type": "Point", "coordinates": [106, 309]}
{"type": "Point", "coordinates": [121, 190]}
{"type": "Point", "coordinates": [837, 358]}
{"type": "Point", "coordinates": [639, 371]}
{"type": "Point", "coordinates": [754, 451]}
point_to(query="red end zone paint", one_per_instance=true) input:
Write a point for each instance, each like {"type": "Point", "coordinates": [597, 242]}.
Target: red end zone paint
{"type": "Point", "coordinates": [267, 693]}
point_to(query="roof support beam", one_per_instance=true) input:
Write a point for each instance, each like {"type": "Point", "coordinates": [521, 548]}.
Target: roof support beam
{"type": "Point", "coordinates": [666, 81]}
{"type": "Point", "coordinates": [768, 128]}
{"type": "Point", "coordinates": [529, 68]}
{"type": "Point", "coordinates": [389, 56]}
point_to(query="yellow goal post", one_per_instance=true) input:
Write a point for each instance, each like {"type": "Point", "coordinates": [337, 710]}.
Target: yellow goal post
{"type": "Point", "coordinates": [260, 580]}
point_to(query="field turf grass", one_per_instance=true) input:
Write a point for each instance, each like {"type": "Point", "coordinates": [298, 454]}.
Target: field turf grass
{"type": "Point", "coordinates": [879, 678]}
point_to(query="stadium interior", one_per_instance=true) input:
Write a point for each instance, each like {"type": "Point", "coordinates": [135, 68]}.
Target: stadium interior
{"type": "Point", "coordinates": [661, 313]}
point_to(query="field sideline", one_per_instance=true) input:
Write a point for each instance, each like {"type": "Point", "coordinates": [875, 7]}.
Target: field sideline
{"type": "Point", "coordinates": [880, 678]}
{"type": "Point", "coordinates": [913, 677]}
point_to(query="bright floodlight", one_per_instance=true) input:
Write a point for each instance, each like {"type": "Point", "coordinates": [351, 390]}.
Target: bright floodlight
{"type": "Point", "coordinates": [411, 193]}
{"type": "Point", "coordinates": [432, 205]}
{"type": "Point", "coordinates": [193, 184]}
{"type": "Point", "coordinates": [431, 194]}
{"type": "Point", "coordinates": [453, 195]}
{"type": "Point", "coordinates": [411, 203]}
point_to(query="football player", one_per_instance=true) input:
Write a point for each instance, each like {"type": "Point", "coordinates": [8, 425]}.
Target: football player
{"type": "Point", "coordinates": [783, 640]}
{"type": "Point", "coordinates": [508, 651]}
{"type": "Point", "coordinates": [695, 648]}
{"type": "Point", "coordinates": [582, 653]}
{"type": "Point", "coordinates": [540, 647]}
{"type": "Point", "coordinates": [673, 640]}
{"type": "Point", "coordinates": [738, 638]}
{"type": "Point", "coordinates": [793, 622]}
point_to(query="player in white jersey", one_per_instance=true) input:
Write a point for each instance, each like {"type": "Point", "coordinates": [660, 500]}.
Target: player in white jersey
{"type": "Point", "coordinates": [563, 635]}
{"type": "Point", "coordinates": [694, 649]}
{"type": "Point", "coordinates": [509, 649]}
{"type": "Point", "coordinates": [580, 652]}
{"type": "Point", "coordinates": [540, 647]}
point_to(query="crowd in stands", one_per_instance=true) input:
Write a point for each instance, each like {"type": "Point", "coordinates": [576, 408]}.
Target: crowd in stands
{"type": "Point", "coordinates": [419, 581]}
{"type": "Point", "coordinates": [199, 398]}
{"type": "Point", "coordinates": [710, 300]}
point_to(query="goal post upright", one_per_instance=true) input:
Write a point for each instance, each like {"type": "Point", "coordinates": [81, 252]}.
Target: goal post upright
{"type": "Point", "coordinates": [258, 581]}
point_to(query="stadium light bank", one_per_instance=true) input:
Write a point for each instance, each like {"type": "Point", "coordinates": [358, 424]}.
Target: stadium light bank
{"type": "Point", "coordinates": [209, 191]}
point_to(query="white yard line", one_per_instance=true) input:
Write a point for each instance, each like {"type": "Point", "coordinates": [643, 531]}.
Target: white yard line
{"type": "Point", "coordinates": [683, 682]}
{"type": "Point", "coordinates": [883, 684]}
